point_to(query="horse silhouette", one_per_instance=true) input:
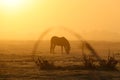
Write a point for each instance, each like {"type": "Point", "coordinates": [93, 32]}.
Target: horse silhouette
{"type": "Point", "coordinates": [60, 41]}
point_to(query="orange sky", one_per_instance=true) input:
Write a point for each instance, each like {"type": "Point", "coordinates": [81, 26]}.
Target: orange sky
{"type": "Point", "coordinates": [29, 18]}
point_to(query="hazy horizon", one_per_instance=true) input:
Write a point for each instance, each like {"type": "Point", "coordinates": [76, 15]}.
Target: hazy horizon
{"type": "Point", "coordinates": [12, 40]}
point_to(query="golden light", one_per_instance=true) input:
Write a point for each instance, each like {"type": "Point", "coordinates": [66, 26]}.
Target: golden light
{"type": "Point", "coordinates": [15, 5]}
{"type": "Point", "coordinates": [12, 3]}
{"type": "Point", "coordinates": [12, 6]}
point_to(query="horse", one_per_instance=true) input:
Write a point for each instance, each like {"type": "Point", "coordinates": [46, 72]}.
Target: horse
{"type": "Point", "coordinates": [60, 41]}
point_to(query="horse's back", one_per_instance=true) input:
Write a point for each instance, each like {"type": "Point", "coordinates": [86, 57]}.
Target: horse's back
{"type": "Point", "coordinates": [59, 40]}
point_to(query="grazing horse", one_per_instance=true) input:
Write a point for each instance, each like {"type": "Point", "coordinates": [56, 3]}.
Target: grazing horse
{"type": "Point", "coordinates": [60, 41]}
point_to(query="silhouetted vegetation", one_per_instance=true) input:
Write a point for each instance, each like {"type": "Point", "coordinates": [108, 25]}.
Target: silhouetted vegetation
{"type": "Point", "coordinates": [109, 64]}
{"type": "Point", "coordinates": [88, 63]}
{"type": "Point", "coordinates": [44, 64]}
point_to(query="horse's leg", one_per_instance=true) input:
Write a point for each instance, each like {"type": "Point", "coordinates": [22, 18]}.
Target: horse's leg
{"type": "Point", "coordinates": [53, 49]}
{"type": "Point", "coordinates": [62, 49]}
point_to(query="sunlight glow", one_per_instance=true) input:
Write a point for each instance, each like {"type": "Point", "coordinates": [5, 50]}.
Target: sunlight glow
{"type": "Point", "coordinates": [12, 3]}
{"type": "Point", "coordinates": [15, 5]}
{"type": "Point", "coordinates": [12, 6]}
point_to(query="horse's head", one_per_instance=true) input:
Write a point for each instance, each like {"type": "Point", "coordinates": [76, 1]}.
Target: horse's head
{"type": "Point", "coordinates": [67, 49]}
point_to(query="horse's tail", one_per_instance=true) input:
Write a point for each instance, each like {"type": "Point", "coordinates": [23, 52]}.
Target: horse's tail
{"type": "Point", "coordinates": [52, 44]}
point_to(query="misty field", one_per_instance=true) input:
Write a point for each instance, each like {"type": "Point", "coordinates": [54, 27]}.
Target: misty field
{"type": "Point", "coordinates": [16, 62]}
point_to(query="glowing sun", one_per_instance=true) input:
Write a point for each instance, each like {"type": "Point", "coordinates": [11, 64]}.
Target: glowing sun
{"type": "Point", "coordinates": [12, 3]}
{"type": "Point", "coordinates": [13, 6]}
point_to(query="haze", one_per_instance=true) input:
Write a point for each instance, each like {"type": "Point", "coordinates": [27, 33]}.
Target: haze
{"type": "Point", "coordinates": [93, 19]}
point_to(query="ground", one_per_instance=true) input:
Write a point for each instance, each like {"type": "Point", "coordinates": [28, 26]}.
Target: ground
{"type": "Point", "coordinates": [22, 67]}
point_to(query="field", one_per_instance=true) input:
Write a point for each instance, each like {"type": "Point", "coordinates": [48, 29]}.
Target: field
{"type": "Point", "coordinates": [16, 62]}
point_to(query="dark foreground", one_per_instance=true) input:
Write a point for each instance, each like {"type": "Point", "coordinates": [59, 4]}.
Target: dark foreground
{"type": "Point", "coordinates": [18, 67]}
